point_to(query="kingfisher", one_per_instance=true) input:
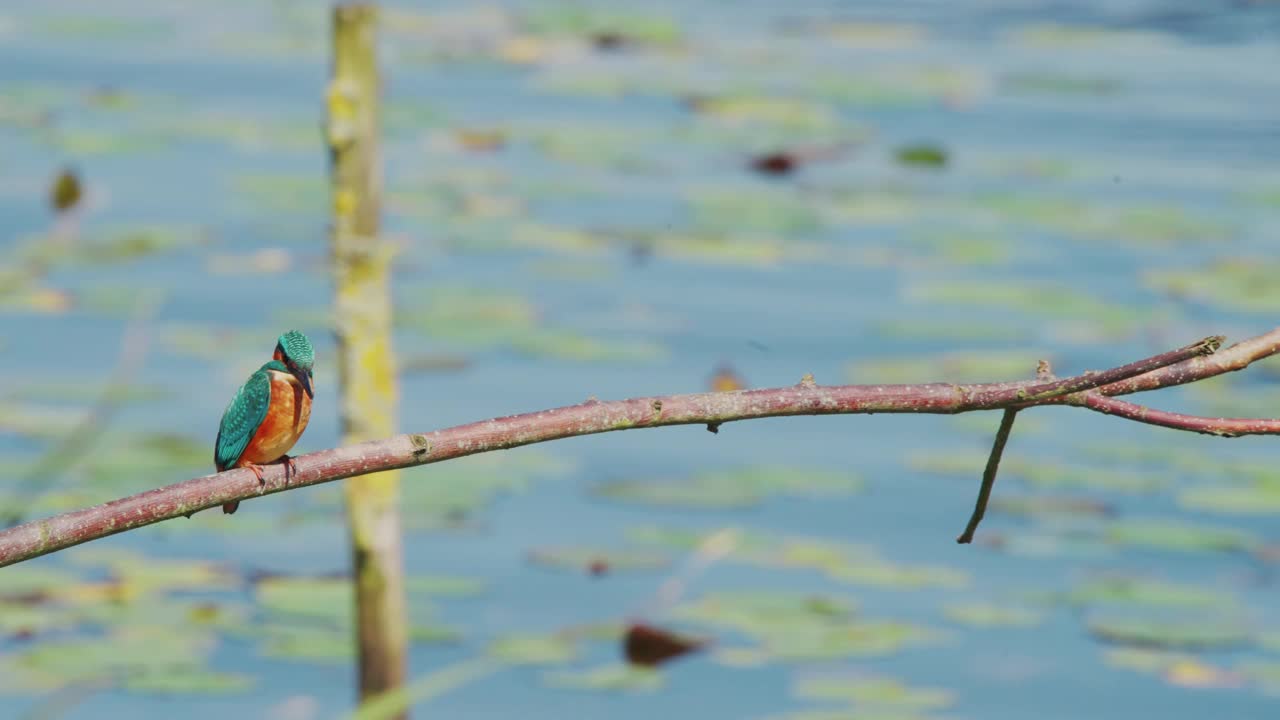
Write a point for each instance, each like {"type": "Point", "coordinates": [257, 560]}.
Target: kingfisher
{"type": "Point", "coordinates": [269, 412]}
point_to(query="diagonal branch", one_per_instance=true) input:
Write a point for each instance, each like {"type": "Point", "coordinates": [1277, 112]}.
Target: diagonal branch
{"type": "Point", "coordinates": [42, 537]}
{"type": "Point", "coordinates": [989, 475]}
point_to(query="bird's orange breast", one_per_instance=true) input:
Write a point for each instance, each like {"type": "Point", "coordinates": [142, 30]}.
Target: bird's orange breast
{"type": "Point", "coordinates": [287, 416]}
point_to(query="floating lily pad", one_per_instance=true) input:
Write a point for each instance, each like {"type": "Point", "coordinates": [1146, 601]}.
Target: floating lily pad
{"type": "Point", "coordinates": [534, 649]}
{"type": "Point", "coordinates": [791, 113]}
{"type": "Point", "coordinates": [284, 193]}
{"type": "Point", "coordinates": [986, 615]}
{"type": "Point", "coordinates": [1193, 633]}
{"type": "Point", "coordinates": [144, 574]}
{"type": "Point", "coordinates": [573, 346]}
{"type": "Point", "coordinates": [596, 561]}
{"type": "Point", "coordinates": [134, 652]}
{"type": "Point", "coordinates": [732, 488]}
{"type": "Point", "coordinates": [793, 627]}
{"type": "Point", "coordinates": [444, 585]}
{"type": "Point", "coordinates": [1261, 497]}
{"type": "Point", "coordinates": [1178, 535]}
{"type": "Point", "coordinates": [608, 678]}
{"type": "Point", "coordinates": [464, 486]}
{"type": "Point", "coordinates": [877, 693]}
{"type": "Point", "coordinates": [1142, 592]}
{"type": "Point", "coordinates": [307, 643]}
{"type": "Point", "coordinates": [319, 598]}
{"type": "Point", "coordinates": [127, 461]}
{"type": "Point", "coordinates": [742, 210]}
{"type": "Point", "coordinates": [1234, 284]}
{"type": "Point", "coordinates": [923, 156]}
{"type": "Point", "coordinates": [572, 19]}
{"type": "Point", "coordinates": [184, 681]}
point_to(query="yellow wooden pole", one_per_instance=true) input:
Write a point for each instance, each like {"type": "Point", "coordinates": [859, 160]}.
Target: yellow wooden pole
{"type": "Point", "coordinates": [366, 365]}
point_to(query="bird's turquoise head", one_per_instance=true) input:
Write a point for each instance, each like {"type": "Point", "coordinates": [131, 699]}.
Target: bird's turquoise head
{"type": "Point", "coordinates": [295, 351]}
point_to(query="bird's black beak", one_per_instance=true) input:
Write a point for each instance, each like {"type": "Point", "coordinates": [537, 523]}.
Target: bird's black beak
{"type": "Point", "coordinates": [304, 377]}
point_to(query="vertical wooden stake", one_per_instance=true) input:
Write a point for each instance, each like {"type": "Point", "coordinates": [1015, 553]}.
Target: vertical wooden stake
{"type": "Point", "coordinates": [366, 367]}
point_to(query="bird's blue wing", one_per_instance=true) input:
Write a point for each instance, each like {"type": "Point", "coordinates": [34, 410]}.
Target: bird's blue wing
{"type": "Point", "coordinates": [241, 419]}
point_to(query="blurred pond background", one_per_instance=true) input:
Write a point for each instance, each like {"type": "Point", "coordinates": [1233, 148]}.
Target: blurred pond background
{"type": "Point", "coordinates": [620, 199]}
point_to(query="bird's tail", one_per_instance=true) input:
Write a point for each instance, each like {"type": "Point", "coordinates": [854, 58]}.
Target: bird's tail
{"type": "Point", "coordinates": [229, 508]}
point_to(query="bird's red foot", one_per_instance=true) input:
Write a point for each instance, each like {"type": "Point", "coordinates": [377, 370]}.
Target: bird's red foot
{"type": "Point", "coordinates": [257, 471]}
{"type": "Point", "coordinates": [231, 507]}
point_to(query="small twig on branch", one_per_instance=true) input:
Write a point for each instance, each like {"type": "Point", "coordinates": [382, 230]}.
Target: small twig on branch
{"type": "Point", "coordinates": [1220, 427]}
{"type": "Point", "coordinates": [1236, 357]}
{"type": "Point", "coordinates": [989, 475]}
{"type": "Point", "coordinates": [1040, 391]}
{"type": "Point", "coordinates": [42, 537]}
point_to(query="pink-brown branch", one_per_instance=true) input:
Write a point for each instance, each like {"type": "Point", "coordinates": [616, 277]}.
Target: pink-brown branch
{"type": "Point", "coordinates": [42, 537]}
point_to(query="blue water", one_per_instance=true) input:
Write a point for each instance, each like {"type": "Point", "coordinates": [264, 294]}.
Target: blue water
{"type": "Point", "coordinates": [1182, 129]}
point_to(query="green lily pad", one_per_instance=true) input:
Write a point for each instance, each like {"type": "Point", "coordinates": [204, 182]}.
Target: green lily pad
{"type": "Point", "coordinates": [444, 585]}
{"type": "Point", "coordinates": [1131, 223]}
{"type": "Point", "coordinates": [125, 461]}
{"type": "Point", "coordinates": [873, 692]}
{"type": "Point", "coordinates": [792, 627]}
{"type": "Point", "coordinates": [454, 492]}
{"type": "Point", "coordinates": [986, 615]}
{"type": "Point", "coordinates": [922, 156]}
{"type": "Point", "coordinates": [799, 115]}
{"type": "Point", "coordinates": [125, 652]}
{"type": "Point", "coordinates": [284, 193]}
{"type": "Point", "coordinates": [735, 211]}
{"type": "Point", "coordinates": [184, 681]}
{"type": "Point", "coordinates": [732, 488]}
{"type": "Point", "coordinates": [1043, 472]}
{"type": "Point", "coordinates": [1237, 284]}
{"type": "Point", "coordinates": [1181, 536]}
{"type": "Point", "coordinates": [597, 560]}
{"type": "Point", "coordinates": [30, 579]}
{"type": "Point", "coordinates": [615, 677]}
{"type": "Point", "coordinates": [142, 574]}
{"type": "Point", "coordinates": [318, 598]}
{"type": "Point", "coordinates": [573, 346]}
{"type": "Point", "coordinates": [585, 21]}
{"type": "Point", "coordinates": [1145, 660]}
{"type": "Point", "coordinates": [1261, 497]}
{"type": "Point", "coordinates": [842, 562]}
{"type": "Point", "coordinates": [1142, 592]}
{"type": "Point", "coordinates": [1192, 633]}
{"type": "Point", "coordinates": [307, 643]}
{"type": "Point", "coordinates": [534, 649]}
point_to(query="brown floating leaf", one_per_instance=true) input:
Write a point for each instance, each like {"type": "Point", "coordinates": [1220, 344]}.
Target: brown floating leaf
{"type": "Point", "coordinates": [65, 193]}
{"type": "Point", "coordinates": [480, 140]}
{"type": "Point", "coordinates": [775, 163]}
{"type": "Point", "coordinates": [650, 646]}
{"type": "Point", "coordinates": [783, 162]}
